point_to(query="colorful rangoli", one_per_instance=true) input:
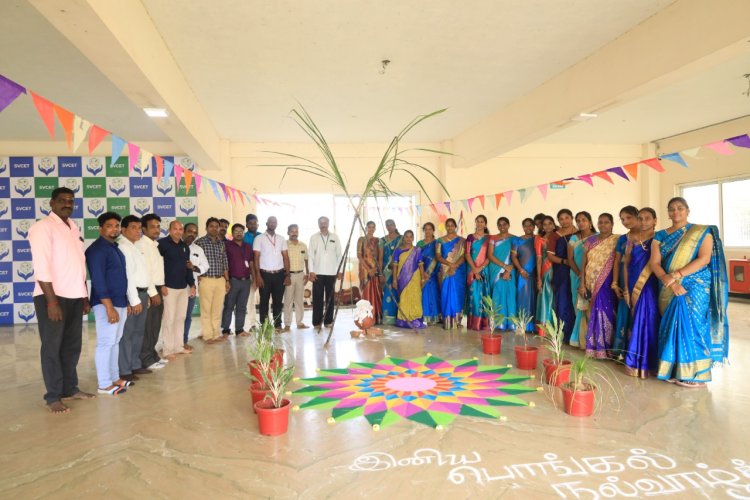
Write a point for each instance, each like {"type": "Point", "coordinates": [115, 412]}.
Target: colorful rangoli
{"type": "Point", "coordinates": [428, 390]}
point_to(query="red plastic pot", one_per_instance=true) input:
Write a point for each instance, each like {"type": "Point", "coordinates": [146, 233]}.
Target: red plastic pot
{"type": "Point", "coordinates": [272, 421]}
{"type": "Point", "coordinates": [556, 374]}
{"type": "Point", "coordinates": [491, 344]}
{"type": "Point", "coordinates": [579, 402]}
{"type": "Point", "coordinates": [258, 393]}
{"type": "Point", "coordinates": [526, 357]}
{"type": "Point", "coordinates": [276, 360]}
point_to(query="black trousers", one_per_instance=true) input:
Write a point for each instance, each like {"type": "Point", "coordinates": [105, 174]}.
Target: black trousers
{"type": "Point", "coordinates": [323, 304]}
{"type": "Point", "coordinates": [273, 288]}
{"type": "Point", "coordinates": [61, 347]}
{"type": "Point", "coordinates": [151, 333]}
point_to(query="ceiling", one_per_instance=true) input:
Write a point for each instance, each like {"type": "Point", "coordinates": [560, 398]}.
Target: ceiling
{"type": "Point", "coordinates": [250, 61]}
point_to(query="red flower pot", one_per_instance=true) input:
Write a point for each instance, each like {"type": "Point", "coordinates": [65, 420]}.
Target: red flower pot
{"type": "Point", "coordinates": [526, 357]}
{"type": "Point", "coordinates": [556, 375]}
{"type": "Point", "coordinates": [258, 393]}
{"type": "Point", "coordinates": [491, 344]}
{"type": "Point", "coordinates": [276, 360]}
{"type": "Point", "coordinates": [272, 421]}
{"type": "Point", "coordinates": [365, 323]}
{"type": "Point", "coordinates": [579, 402]}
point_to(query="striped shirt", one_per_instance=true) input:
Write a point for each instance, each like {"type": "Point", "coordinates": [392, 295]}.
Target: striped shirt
{"type": "Point", "coordinates": [216, 254]}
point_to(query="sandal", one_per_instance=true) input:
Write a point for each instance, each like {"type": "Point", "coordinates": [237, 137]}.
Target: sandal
{"type": "Point", "coordinates": [114, 391]}
{"type": "Point", "coordinates": [690, 385]}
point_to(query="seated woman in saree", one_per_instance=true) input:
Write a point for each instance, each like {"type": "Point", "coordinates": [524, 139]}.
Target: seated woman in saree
{"type": "Point", "coordinates": [386, 246]}
{"type": "Point", "coordinates": [629, 219]}
{"type": "Point", "coordinates": [544, 274]}
{"type": "Point", "coordinates": [689, 261]}
{"type": "Point", "coordinates": [596, 285]}
{"type": "Point", "coordinates": [502, 276]}
{"type": "Point", "coordinates": [408, 279]}
{"type": "Point", "coordinates": [524, 260]}
{"type": "Point", "coordinates": [575, 258]}
{"type": "Point", "coordinates": [431, 290]}
{"type": "Point", "coordinates": [477, 275]}
{"type": "Point", "coordinates": [449, 252]}
{"type": "Point", "coordinates": [369, 273]}
{"type": "Point", "coordinates": [641, 295]}
{"type": "Point", "coordinates": [557, 248]}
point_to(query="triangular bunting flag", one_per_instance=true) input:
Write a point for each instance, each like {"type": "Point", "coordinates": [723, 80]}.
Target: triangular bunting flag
{"type": "Point", "coordinates": [692, 152]}
{"type": "Point", "coordinates": [508, 195]}
{"type": "Point", "coordinates": [432, 206]}
{"type": "Point", "coordinates": [144, 163]}
{"type": "Point", "coordinates": [603, 175]}
{"type": "Point", "coordinates": [543, 189]}
{"type": "Point", "coordinates": [720, 147]}
{"type": "Point", "coordinates": [66, 120]}
{"type": "Point", "coordinates": [481, 200]}
{"type": "Point", "coordinates": [198, 180]}
{"type": "Point", "coordinates": [46, 111]}
{"type": "Point", "coordinates": [465, 203]}
{"type": "Point", "coordinates": [675, 157]}
{"type": "Point", "coordinates": [619, 171]}
{"type": "Point", "coordinates": [523, 194]}
{"type": "Point", "coordinates": [632, 169]}
{"type": "Point", "coordinates": [168, 168]}
{"type": "Point", "coordinates": [226, 193]}
{"type": "Point", "coordinates": [587, 179]}
{"type": "Point", "coordinates": [741, 141]}
{"type": "Point", "coordinates": [654, 163]}
{"type": "Point", "coordinates": [177, 177]}
{"type": "Point", "coordinates": [419, 210]}
{"type": "Point", "coordinates": [498, 198]}
{"type": "Point", "coordinates": [447, 206]}
{"type": "Point", "coordinates": [239, 195]}
{"type": "Point", "coordinates": [133, 151]}
{"type": "Point", "coordinates": [117, 145]}
{"type": "Point", "coordinates": [214, 188]}
{"type": "Point", "coordinates": [9, 91]}
{"type": "Point", "coordinates": [80, 129]}
{"type": "Point", "coordinates": [159, 168]}
{"type": "Point", "coordinates": [471, 202]}
{"type": "Point", "coordinates": [96, 136]}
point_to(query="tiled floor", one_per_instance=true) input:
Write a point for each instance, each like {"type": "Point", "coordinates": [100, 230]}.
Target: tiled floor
{"type": "Point", "coordinates": [188, 432]}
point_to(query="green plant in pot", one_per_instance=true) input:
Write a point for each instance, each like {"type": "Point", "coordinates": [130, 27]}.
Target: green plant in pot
{"type": "Point", "coordinates": [590, 382]}
{"type": "Point", "coordinates": [273, 411]}
{"type": "Point", "coordinates": [492, 341]}
{"type": "Point", "coordinates": [556, 367]}
{"type": "Point", "coordinates": [526, 355]}
{"type": "Point", "coordinates": [262, 356]}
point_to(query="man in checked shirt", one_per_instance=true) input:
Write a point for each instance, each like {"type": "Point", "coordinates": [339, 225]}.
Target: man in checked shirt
{"type": "Point", "coordinates": [214, 283]}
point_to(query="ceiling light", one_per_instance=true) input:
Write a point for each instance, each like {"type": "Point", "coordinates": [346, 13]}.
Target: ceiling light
{"type": "Point", "coordinates": [584, 117]}
{"type": "Point", "coordinates": [156, 112]}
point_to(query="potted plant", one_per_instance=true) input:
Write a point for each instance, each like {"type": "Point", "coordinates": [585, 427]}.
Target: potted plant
{"type": "Point", "coordinates": [491, 341]}
{"type": "Point", "coordinates": [556, 367]}
{"type": "Point", "coordinates": [526, 355]}
{"type": "Point", "coordinates": [586, 389]}
{"type": "Point", "coordinates": [262, 357]}
{"type": "Point", "coordinates": [273, 410]}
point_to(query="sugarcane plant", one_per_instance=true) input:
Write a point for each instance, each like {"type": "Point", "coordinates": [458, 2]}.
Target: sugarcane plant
{"type": "Point", "coordinates": [393, 161]}
{"type": "Point", "coordinates": [520, 321]}
{"type": "Point", "coordinates": [493, 311]}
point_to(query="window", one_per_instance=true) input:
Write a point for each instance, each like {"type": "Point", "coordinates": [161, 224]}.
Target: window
{"type": "Point", "coordinates": [725, 204]}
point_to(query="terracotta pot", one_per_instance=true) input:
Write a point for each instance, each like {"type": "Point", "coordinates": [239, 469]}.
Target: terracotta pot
{"type": "Point", "coordinates": [491, 344]}
{"type": "Point", "coordinates": [255, 373]}
{"type": "Point", "coordinates": [276, 360]}
{"type": "Point", "coordinates": [272, 421]}
{"type": "Point", "coordinates": [556, 374]}
{"type": "Point", "coordinates": [578, 403]}
{"type": "Point", "coordinates": [365, 323]}
{"type": "Point", "coordinates": [526, 357]}
{"type": "Point", "coordinates": [258, 393]}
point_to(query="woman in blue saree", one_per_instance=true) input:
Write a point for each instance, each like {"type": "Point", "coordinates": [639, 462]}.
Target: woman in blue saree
{"type": "Point", "coordinates": [502, 276]}
{"type": "Point", "coordinates": [408, 278]}
{"type": "Point", "coordinates": [477, 279]}
{"type": "Point", "coordinates": [430, 291]}
{"type": "Point", "coordinates": [689, 261]}
{"type": "Point", "coordinates": [524, 260]}
{"type": "Point", "coordinates": [641, 294]}
{"type": "Point", "coordinates": [449, 252]}
{"type": "Point", "coordinates": [558, 255]}
{"type": "Point", "coordinates": [575, 258]}
{"type": "Point", "coordinates": [387, 246]}
{"type": "Point", "coordinates": [629, 219]}
{"type": "Point", "coordinates": [544, 274]}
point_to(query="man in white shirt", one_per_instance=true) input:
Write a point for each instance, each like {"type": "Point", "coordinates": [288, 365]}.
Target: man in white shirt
{"type": "Point", "coordinates": [151, 226]}
{"type": "Point", "coordinates": [272, 270]}
{"type": "Point", "coordinates": [324, 253]}
{"type": "Point", "coordinates": [200, 266]}
{"type": "Point", "coordinates": [138, 282]}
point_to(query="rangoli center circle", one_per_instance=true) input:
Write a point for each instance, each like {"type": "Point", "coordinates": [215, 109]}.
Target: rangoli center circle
{"type": "Point", "coordinates": [410, 384]}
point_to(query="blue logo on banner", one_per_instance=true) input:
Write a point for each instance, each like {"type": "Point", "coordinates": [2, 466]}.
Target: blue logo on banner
{"type": "Point", "coordinates": [116, 186]}
{"type": "Point", "coordinates": [4, 207]}
{"type": "Point", "coordinates": [23, 292]}
{"type": "Point", "coordinates": [140, 186]}
{"type": "Point", "coordinates": [187, 206]}
{"type": "Point", "coordinates": [4, 187]}
{"type": "Point", "coordinates": [96, 208]}
{"type": "Point", "coordinates": [23, 186]}
{"type": "Point", "coordinates": [21, 166]}
{"type": "Point", "coordinates": [69, 166]}
{"type": "Point", "coordinates": [46, 166]}
{"type": "Point", "coordinates": [142, 206]}
{"type": "Point", "coordinates": [164, 207]}
{"type": "Point", "coordinates": [3, 168]}
{"type": "Point", "coordinates": [5, 249]}
{"type": "Point", "coordinates": [94, 166]}
{"type": "Point", "coordinates": [22, 228]}
{"type": "Point", "coordinates": [6, 314]}
{"type": "Point", "coordinates": [25, 271]}
{"type": "Point", "coordinates": [5, 230]}
{"type": "Point", "coordinates": [26, 312]}
{"type": "Point", "coordinates": [5, 292]}
{"type": "Point", "coordinates": [22, 208]}
{"type": "Point", "coordinates": [21, 251]}
{"type": "Point", "coordinates": [164, 186]}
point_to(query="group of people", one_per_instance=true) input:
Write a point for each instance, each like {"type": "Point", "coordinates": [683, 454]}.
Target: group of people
{"type": "Point", "coordinates": [654, 300]}
{"type": "Point", "coordinates": [144, 288]}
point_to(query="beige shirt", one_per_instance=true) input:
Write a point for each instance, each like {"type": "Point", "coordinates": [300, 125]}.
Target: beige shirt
{"type": "Point", "coordinates": [297, 256]}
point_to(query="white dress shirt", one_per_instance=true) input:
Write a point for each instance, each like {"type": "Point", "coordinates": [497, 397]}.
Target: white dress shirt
{"type": "Point", "coordinates": [199, 260]}
{"type": "Point", "coordinates": [324, 254]}
{"type": "Point", "coordinates": [154, 263]}
{"type": "Point", "coordinates": [270, 248]}
{"type": "Point", "coordinates": [136, 268]}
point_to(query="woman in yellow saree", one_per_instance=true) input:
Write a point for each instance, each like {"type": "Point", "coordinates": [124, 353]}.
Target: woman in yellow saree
{"type": "Point", "coordinates": [408, 279]}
